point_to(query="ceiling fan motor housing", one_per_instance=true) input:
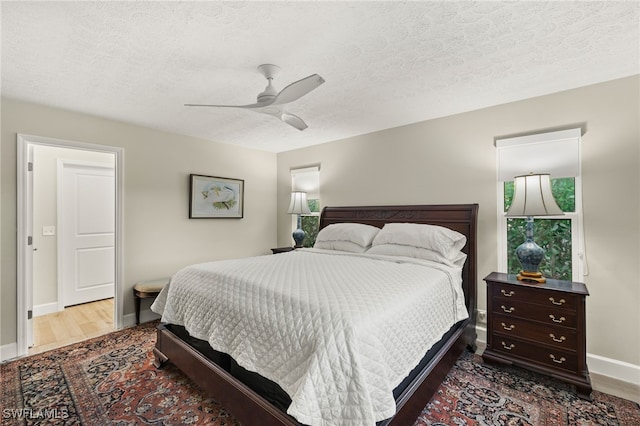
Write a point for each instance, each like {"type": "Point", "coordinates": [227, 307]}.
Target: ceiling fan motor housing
{"type": "Point", "coordinates": [269, 93]}
{"type": "Point", "coordinates": [269, 71]}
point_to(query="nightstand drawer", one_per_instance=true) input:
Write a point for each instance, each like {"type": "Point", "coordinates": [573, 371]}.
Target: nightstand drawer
{"type": "Point", "coordinates": [536, 295]}
{"type": "Point", "coordinates": [560, 337]}
{"type": "Point", "coordinates": [555, 358]}
{"type": "Point", "coordinates": [547, 315]}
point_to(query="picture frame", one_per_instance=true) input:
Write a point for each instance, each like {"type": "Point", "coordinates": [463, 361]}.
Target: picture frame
{"type": "Point", "coordinates": [213, 197]}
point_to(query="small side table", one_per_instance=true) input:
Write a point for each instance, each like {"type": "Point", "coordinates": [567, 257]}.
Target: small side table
{"type": "Point", "coordinates": [282, 249]}
{"type": "Point", "coordinates": [146, 290]}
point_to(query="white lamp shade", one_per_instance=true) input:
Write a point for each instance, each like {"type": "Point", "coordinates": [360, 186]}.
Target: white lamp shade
{"type": "Point", "coordinates": [299, 203]}
{"type": "Point", "coordinates": [532, 196]}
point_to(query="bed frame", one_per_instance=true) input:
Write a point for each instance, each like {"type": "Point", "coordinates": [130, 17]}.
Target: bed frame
{"type": "Point", "coordinates": [251, 409]}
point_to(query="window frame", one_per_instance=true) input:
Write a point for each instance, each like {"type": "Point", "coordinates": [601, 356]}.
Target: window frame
{"type": "Point", "coordinates": [316, 191]}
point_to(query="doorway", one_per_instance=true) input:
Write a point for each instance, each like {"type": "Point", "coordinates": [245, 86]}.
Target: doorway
{"type": "Point", "coordinates": [71, 234]}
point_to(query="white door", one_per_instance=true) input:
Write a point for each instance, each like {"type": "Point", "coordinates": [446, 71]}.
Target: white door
{"type": "Point", "coordinates": [86, 220]}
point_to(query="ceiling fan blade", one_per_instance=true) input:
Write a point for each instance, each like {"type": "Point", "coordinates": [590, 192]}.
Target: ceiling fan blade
{"type": "Point", "coordinates": [250, 106]}
{"type": "Point", "coordinates": [298, 89]}
{"type": "Point", "coordinates": [293, 120]}
{"type": "Point", "coordinates": [279, 113]}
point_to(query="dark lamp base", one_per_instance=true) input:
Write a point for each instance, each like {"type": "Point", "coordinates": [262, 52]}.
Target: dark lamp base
{"type": "Point", "coordinates": [531, 276]}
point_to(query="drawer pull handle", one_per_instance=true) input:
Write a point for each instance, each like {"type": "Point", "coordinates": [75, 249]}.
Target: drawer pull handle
{"type": "Point", "coordinates": [555, 339]}
{"type": "Point", "coordinates": [553, 318]}
{"type": "Point", "coordinates": [511, 346]}
{"type": "Point", "coordinates": [511, 309]}
{"type": "Point", "coordinates": [557, 361]}
{"type": "Point", "coordinates": [508, 327]}
{"type": "Point", "coordinates": [559, 303]}
{"type": "Point", "coordinates": [509, 294]}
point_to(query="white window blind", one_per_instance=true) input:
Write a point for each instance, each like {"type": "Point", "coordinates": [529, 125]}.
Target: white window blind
{"type": "Point", "coordinates": [556, 153]}
{"type": "Point", "coordinates": [307, 180]}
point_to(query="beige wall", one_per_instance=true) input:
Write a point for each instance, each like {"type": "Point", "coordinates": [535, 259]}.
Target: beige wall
{"type": "Point", "coordinates": [453, 160]}
{"type": "Point", "coordinates": [159, 237]}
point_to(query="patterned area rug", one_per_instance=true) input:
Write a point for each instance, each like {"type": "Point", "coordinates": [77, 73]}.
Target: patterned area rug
{"type": "Point", "coordinates": [110, 380]}
{"type": "Point", "coordinates": [475, 393]}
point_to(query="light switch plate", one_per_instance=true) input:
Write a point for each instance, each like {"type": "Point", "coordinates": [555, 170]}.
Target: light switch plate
{"type": "Point", "coordinates": [48, 230]}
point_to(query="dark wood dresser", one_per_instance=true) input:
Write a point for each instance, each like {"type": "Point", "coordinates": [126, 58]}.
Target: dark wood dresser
{"type": "Point", "coordinates": [540, 327]}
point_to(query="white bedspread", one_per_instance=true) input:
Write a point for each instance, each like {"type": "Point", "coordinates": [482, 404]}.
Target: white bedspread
{"type": "Point", "coordinates": [338, 332]}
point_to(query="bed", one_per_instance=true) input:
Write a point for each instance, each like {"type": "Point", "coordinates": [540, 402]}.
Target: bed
{"type": "Point", "coordinates": [254, 399]}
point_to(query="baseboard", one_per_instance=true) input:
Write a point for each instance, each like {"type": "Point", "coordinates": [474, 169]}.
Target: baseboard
{"type": "Point", "coordinates": [8, 351]}
{"type": "Point", "coordinates": [481, 331]}
{"type": "Point", "coordinates": [607, 375]}
{"type": "Point", "coordinates": [614, 377]}
{"type": "Point", "coordinates": [45, 308]}
{"type": "Point", "coordinates": [613, 368]}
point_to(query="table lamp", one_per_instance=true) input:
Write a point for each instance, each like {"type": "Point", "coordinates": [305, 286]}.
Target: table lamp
{"type": "Point", "coordinates": [299, 206]}
{"type": "Point", "coordinates": [532, 196]}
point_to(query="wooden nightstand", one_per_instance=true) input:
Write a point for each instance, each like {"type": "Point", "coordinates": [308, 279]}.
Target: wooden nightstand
{"type": "Point", "coordinates": [540, 327]}
{"type": "Point", "coordinates": [282, 249]}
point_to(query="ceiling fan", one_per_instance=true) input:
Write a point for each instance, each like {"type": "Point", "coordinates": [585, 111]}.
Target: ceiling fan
{"type": "Point", "coordinates": [272, 102]}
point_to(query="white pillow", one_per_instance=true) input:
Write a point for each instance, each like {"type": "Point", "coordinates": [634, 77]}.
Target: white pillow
{"type": "Point", "coordinates": [340, 245]}
{"type": "Point", "coordinates": [418, 253]}
{"type": "Point", "coordinates": [356, 233]}
{"type": "Point", "coordinates": [443, 240]}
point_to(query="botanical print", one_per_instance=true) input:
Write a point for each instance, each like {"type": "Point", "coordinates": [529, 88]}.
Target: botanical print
{"type": "Point", "coordinates": [221, 197]}
{"type": "Point", "coordinates": [213, 197]}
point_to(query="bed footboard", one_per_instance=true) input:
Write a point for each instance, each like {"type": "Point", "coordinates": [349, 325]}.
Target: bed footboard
{"type": "Point", "coordinates": [250, 408]}
{"type": "Point", "coordinates": [238, 399]}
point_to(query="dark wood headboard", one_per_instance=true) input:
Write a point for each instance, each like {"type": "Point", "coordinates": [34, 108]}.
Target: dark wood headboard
{"type": "Point", "coordinates": [459, 217]}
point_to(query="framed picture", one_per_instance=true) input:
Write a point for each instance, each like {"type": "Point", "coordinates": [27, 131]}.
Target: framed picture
{"type": "Point", "coordinates": [215, 197]}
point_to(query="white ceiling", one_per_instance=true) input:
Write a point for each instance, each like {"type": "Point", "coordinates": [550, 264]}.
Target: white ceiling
{"type": "Point", "coordinates": [386, 64]}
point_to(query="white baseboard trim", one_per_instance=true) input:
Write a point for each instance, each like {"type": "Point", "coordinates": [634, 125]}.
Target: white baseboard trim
{"type": "Point", "coordinates": [611, 368]}
{"type": "Point", "coordinates": [481, 331]}
{"type": "Point", "coordinates": [8, 351]}
{"type": "Point", "coordinates": [45, 308]}
{"type": "Point", "coordinates": [614, 369]}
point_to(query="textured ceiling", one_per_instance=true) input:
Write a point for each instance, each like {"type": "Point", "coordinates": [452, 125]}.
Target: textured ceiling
{"type": "Point", "coordinates": [386, 64]}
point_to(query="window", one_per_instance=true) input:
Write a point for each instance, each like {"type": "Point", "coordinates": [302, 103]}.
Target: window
{"type": "Point", "coordinates": [557, 153]}
{"type": "Point", "coordinates": [310, 223]}
{"type": "Point", "coordinates": [308, 180]}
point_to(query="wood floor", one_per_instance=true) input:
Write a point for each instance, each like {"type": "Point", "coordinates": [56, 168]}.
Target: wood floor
{"type": "Point", "coordinates": [74, 324]}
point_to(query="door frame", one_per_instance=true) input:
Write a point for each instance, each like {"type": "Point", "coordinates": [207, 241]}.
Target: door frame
{"type": "Point", "coordinates": [24, 218]}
